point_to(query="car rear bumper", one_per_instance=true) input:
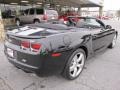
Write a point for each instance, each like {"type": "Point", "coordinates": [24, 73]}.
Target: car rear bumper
{"type": "Point", "coordinates": [39, 64]}
{"type": "Point", "coordinates": [23, 66]}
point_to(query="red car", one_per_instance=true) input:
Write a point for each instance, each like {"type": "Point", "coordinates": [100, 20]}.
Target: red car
{"type": "Point", "coordinates": [103, 17]}
{"type": "Point", "coordinates": [65, 17]}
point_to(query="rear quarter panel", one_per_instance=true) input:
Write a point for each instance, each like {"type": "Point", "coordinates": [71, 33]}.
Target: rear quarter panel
{"type": "Point", "coordinates": [69, 41]}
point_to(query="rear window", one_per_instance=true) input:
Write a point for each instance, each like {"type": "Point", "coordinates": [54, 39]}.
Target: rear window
{"type": "Point", "coordinates": [51, 12]}
{"type": "Point", "coordinates": [39, 11]}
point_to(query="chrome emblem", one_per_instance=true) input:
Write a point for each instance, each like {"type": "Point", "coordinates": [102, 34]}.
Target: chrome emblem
{"type": "Point", "coordinates": [23, 60]}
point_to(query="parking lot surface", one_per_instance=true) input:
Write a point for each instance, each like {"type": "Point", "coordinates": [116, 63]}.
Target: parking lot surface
{"type": "Point", "coordinates": [102, 72]}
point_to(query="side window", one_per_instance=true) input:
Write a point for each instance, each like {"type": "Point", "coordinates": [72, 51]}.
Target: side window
{"type": "Point", "coordinates": [40, 11]}
{"type": "Point", "coordinates": [101, 23]}
{"type": "Point", "coordinates": [93, 22]}
{"type": "Point", "coordinates": [27, 11]}
{"type": "Point", "coordinates": [32, 11]}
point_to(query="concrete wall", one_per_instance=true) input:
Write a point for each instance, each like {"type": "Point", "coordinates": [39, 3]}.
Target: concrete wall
{"type": "Point", "coordinates": [2, 31]}
{"type": "Point", "coordinates": [98, 2]}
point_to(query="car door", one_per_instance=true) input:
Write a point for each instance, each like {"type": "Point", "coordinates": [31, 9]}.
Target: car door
{"type": "Point", "coordinates": [99, 35]}
{"type": "Point", "coordinates": [109, 33]}
{"type": "Point", "coordinates": [24, 17]}
{"type": "Point", "coordinates": [31, 15]}
{"type": "Point", "coordinates": [106, 36]}
{"type": "Point", "coordinates": [98, 40]}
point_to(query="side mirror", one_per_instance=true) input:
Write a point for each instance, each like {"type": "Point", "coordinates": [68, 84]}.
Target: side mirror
{"type": "Point", "coordinates": [108, 27]}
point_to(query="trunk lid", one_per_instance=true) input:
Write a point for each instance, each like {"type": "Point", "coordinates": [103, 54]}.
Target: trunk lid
{"type": "Point", "coordinates": [38, 30]}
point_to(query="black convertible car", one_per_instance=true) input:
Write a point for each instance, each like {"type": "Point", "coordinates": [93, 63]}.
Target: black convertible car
{"type": "Point", "coordinates": [49, 48]}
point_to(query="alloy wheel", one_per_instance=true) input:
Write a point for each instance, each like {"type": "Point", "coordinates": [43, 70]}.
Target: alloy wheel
{"type": "Point", "coordinates": [77, 64]}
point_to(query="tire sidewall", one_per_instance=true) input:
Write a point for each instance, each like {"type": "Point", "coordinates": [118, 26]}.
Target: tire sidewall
{"type": "Point", "coordinates": [66, 73]}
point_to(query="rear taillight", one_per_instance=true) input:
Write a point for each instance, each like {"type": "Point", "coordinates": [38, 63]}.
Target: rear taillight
{"type": "Point", "coordinates": [34, 47]}
{"type": "Point", "coordinates": [25, 44]}
{"type": "Point", "coordinates": [45, 17]}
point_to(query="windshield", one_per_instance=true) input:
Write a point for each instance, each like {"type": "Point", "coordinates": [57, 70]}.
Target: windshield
{"type": "Point", "coordinates": [88, 22]}
{"type": "Point", "coordinates": [82, 22]}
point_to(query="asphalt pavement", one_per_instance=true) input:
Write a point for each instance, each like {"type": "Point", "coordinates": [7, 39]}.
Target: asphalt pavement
{"type": "Point", "coordinates": [102, 72]}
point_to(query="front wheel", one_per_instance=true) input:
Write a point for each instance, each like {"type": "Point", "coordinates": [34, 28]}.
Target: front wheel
{"type": "Point", "coordinates": [75, 64]}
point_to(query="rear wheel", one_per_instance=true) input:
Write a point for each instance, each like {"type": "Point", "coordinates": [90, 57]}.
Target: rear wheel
{"type": "Point", "coordinates": [112, 45]}
{"type": "Point", "coordinates": [75, 64]}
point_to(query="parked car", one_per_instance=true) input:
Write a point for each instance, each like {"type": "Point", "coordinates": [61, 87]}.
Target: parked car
{"type": "Point", "coordinates": [48, 48]}
{"type": "Point", "coordinates": [36, 15]}
{"type": "Point", "coordinates": [103, 17]}
{"type": "Point", "coordinates": [65, 18]}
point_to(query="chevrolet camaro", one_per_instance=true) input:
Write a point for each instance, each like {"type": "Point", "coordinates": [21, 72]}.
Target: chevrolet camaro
{"type": "Point", "coordinates": [53, 47]}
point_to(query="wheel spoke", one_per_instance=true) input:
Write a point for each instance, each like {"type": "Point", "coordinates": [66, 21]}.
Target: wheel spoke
{"type": "Point", "coordinates": [75, 58]}
{"type": "Point", "coordinates": [79, 65]}
{"type": "Point", "coordinates": [72, 68]}
{"type": "Point", "coordinates": [79, 70]}
{"type": "Point", "coordinates": [80, 58]}
{"type": "Point", "coordinates": [75, 71]}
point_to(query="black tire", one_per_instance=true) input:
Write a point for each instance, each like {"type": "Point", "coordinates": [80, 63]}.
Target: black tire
{"type": "Point", "coordinates": [113, 43]}
{"type": "Point", "coordinates": [36, 21]}
{"type": "Point", "coordinates": [66, 73]}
